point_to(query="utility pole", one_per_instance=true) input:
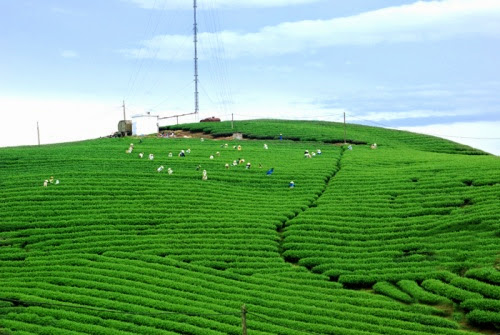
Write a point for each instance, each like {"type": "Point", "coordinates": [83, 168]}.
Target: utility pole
{"type": "Point", "coordinates": [345, 141]}
{"type": "Point", "coordinates": [232, 121]}
{"type": "Point", "coordinates": [38, 132]}
{"type": "Point", "coordinates": [195, 29]}
{"type": "Point", "coordinates": [244, 319]}
{"type": "Point", "coordinates": [124, 118]}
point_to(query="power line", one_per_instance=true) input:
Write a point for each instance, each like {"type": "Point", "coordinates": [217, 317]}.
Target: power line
{"type": "Point", "coordinates": [179, 46]}
{"type": "Point", "coordinates": [171, 94]}
{"type": "Point", "coordinates": [133, 78]}
{"type": "Point", "coordinates": [217, 65]}
{"type": "Point", "coordinates": [140, 77]}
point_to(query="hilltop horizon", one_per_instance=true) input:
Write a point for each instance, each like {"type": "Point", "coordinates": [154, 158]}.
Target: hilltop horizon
{"type": "Point", "coordinates": [493, 150]}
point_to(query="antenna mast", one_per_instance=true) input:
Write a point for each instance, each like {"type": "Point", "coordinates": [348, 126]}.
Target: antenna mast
{"type": "Point", "coordinates": [195, 29]}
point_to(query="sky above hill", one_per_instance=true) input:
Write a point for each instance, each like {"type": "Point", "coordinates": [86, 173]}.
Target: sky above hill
{"type": "Point", "coordinates": [426, 66]}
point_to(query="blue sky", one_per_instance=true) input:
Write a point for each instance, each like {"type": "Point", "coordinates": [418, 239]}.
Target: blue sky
{"type": "Point", "coordinates": [427, 66]}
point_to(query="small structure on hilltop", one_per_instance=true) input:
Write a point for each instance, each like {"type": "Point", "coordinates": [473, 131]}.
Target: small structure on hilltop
{"type": "Point", "coordinates": [144, 124]}
{"type": "Point", "coordinates": [211, 119]}
{"type": "Point", "coordinates": [125, 128]}
{"type": "Point", "coordinates": [237, 136]}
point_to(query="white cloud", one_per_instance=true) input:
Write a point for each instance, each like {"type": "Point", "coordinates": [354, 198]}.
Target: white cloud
{"type": "Point", "coordinates": [60, 120]}
{"type": "Point", "coordinates": [69, 54]}
{"type": "Point", "coordinates": [185, 4]}
{"type": "Point", "coordinates": [420, 21]}
{"type": "Point", "coordinates": [481, 135]}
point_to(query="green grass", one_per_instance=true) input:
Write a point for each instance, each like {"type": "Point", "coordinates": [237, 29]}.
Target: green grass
{"type": "Point", "coordinates": [118, 248]}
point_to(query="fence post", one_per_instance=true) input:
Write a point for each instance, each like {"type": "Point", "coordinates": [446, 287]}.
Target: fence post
{"type": "Point", "coordinates": [244, 319]}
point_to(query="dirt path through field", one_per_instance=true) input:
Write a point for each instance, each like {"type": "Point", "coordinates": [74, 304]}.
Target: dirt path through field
{"type": "Point", "coordinates": [280, 230]}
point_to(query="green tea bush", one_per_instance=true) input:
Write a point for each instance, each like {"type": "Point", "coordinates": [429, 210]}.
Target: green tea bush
{"type": "Point", "coordinates": [417, 292]}
{"type": "Point", "coordinates": [392, 291]}
{"type": "Point", "coordinates": [120, 248]}
{"type": "Point", "coordinates": [448, 290]}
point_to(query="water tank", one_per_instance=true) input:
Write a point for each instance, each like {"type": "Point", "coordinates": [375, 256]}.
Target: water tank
{"type": "Point", "coordinates": [125, 127]}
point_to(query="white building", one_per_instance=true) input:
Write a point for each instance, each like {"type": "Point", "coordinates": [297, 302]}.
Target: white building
{"type": "Point", "coordinates": [144, 124]}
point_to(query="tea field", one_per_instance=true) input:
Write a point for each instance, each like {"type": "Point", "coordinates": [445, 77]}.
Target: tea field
{"type": "Point", "coordinates": [402, 239]}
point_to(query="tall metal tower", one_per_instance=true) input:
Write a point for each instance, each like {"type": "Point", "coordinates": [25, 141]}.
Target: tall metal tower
{"type": "Point", "coordinates": [195, 29]}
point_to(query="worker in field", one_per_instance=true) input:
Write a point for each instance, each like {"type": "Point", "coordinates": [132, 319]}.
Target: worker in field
{"type": "Point", "coordinates": [217, 154]}
{"type": "Point", "coordinates": [151, 157]}
{"type": "Point", "coordinates": [225, 145]}
{"type": "Point", "coordinates": [226, 166]}
{"type": "Point", "coordinates": [170, 171]}
{"type": "Point", "coordinates": [45, 183]}
{"type": "Point", "coordinates": [281, 137]}
{"type": "Point", "coordinates": [270, 171]}
{"type": "Point", "coordinates": [211, 156]}
{"type": "Point", "coordinates": [248, 166]}
{"type": "Point", "coordinates": [349, 147]}
{"type": "Point", "coordinates": [141, 154]}
{"type": "Point", "coordinates": [198, 167]}
{"type": "Point", "coordinates": [307, 154]}
{"type": "Point", "coordinates": [292, 184]}
{"type": "Point", "coordinates": [57, 182]}
{"type": "Point", "coordinates": [374, 146]}
{"type": "Point", "coordinates": [265, 146]}
{"type": "Point", "coordinates": [170, 154]}
{"type": "Point", "coordinates": [51, 180]}
{"type": "Point", "coordinates": [313, 154]}
{"type": "Point", "coordinates": [204, 176]}
{"type": "Point", "coordinates": [160, 169]}
{"type": "Point", "coordinates": [239, 147]}
{"type": "Point", "coordinates": [241, 161]}
{"type": "Point", "coordinates": [182, 154]}
{"type": "Point", "coordinates": [235, 163]}
{"type": "Point", "coordinates": [318, 151]}
{"type": "Point", "coordinates": [202, 139]}
{"type": "Point", "coordinates": [260, 165]}
{"type": "Point", "coordinates": [188, 151]}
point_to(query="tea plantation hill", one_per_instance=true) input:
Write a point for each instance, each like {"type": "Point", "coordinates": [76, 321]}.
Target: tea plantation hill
{"type": "Point", "coordinates": [403, 239]}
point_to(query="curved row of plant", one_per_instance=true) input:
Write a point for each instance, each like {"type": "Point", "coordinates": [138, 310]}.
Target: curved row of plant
{"type": "Point", "coordinates": [400, 220]}
{"type": "Point", "coordinates": [328, 132]}
{"type": "Point", "coordinates": [144, 294]}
